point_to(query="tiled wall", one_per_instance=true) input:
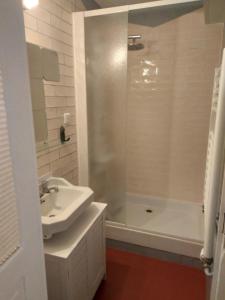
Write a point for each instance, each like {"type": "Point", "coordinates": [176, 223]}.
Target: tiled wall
{"type": "Point", "coordinates": [50, 26]}
{"type": "Point", "coordinates": [169, 101]}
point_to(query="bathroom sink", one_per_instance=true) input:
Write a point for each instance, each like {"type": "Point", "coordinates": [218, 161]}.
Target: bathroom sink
{"type": "Point", "coordinates": [62, 205]}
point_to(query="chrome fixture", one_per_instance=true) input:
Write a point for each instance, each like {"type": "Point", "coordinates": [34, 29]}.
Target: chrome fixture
{"type": "Point", "coordinates": [45, 189]}
{"type": "Point", "coordinates": [132, 42]}
{"type": "Point", "coordinates": [134, 36]}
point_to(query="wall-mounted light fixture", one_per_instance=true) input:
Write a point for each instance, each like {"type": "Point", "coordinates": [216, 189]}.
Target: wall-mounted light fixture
{"type": "Point", "coordinates": [28, 4]}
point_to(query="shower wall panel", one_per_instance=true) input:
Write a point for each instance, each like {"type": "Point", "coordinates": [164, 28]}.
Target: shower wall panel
{"type": "Point", "coordinates": [106, 69]}
{"type": "Point", "coordinates": [169, 101]}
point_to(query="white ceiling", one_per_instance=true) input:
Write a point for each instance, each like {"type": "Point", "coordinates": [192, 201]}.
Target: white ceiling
{"type": "Point", "coordinates": [110, 3]}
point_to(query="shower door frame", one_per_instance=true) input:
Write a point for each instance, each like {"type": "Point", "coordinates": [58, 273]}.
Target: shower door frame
{"type": "Point", "coordinates": [80, 73]}
{"type": "Point", "coordinates": [114, 230]}
{"type": "Point", "coordinates": [82, 128]}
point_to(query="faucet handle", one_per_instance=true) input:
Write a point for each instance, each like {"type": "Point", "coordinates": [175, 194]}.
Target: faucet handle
{"type": "Point", "coordinates": [43, 186]}
{"type": "Point", "coordinates": [41, 192]}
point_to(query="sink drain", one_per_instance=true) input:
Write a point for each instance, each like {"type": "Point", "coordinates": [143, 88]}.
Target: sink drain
{"type": "Point", "coordinates": [51, 216]}
{"type": "Point", "coordinates": [149, 211]}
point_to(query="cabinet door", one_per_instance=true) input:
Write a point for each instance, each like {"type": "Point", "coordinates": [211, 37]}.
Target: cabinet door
{"type": "Point", "coordinates": [77, 275]}
{"type": "Point", "coordinates": [56, 274]}
{"type": "Point", "coordinates": [96, 256]}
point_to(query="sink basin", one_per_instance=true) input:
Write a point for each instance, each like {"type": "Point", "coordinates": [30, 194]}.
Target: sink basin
{"type": "Point", "coordinates": [59, 209]}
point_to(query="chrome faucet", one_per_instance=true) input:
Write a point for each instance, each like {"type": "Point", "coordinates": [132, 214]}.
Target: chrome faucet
{"type": "Point", "coordinates": [45, 189]}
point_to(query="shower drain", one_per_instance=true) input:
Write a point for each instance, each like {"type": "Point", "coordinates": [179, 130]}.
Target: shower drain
{"type": "Point", "coordinates": [149, 211]}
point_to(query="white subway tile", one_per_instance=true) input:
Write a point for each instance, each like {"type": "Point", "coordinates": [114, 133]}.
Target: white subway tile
{"type": "Point", "coordinates": [67, 149]}
{"type": "Point", "coordinates": [70, 101]}
{"type": "Point", "coordinates": [51, 112]}
{"type": "Point", "coordinates": [49, 90]}
{"type": "Point", "coordinates": [37, 38]}
{"type": "Point", "coordinates": [53, 155]}
{"type": "Point", "coordinates": [68, 60]}
{"type": "Point", "coordinates": [55, 123]}
{"type": "Point", "coordinates": [30, 21]}
{"type": "Point", "coordinates": [63, 91]}
{"type": "Point", "coordinates": [67, 17]}
{"type": "Point", "coordinates": [54, 33]}
{"type": "Point", "coordinates": [51, 7]}
{"type": "Point", "coordinates": [66, 81]}
{"type": "Point", "coordinates": [61, 47]}
{"type": "Point", "coordinates": [56, 101]}
{"type": "Point", "coordinates": [43, 160]}
{"type": "Point", "coordinates": [65, 4]}
{"type": "Point", "coordinates": [60, 24]}
{"type": "Point", "coordinates": [40, 14]}
{"type": "Point", "coordinates": [44, 170]}
{"type": "Point", "coordinates": [65, 70]}
{"type": "Point", "coordinates": [53, 134]}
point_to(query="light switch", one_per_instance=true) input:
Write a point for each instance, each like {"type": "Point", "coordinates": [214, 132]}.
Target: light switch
{"type": "Point", "coordinates": [67, 118]}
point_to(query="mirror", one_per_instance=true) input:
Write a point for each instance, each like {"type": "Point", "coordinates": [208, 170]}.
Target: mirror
{"type": "Point", "coordinates": [43, 65]}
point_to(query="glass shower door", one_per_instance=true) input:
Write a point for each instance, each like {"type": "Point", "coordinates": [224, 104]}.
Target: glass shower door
{"type": "Point", "coordinates": [106, 71]}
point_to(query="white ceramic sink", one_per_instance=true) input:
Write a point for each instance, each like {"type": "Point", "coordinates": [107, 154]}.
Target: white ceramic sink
{"type": "Point", "coordinates": [59, 209]}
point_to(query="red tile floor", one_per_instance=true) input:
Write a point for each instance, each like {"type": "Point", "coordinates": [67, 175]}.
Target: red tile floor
{"type": "Point", "coordinates": [135, 277]}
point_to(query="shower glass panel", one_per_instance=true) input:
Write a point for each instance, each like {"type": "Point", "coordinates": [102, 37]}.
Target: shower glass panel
{"type": "Point", "coordinates": [106, 71]}
{"type": "Point", "coordinates": [149, 78]}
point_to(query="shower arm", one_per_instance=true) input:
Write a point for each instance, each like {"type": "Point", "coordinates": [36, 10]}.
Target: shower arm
{"type": "Point", "coordinates": [134, 37]}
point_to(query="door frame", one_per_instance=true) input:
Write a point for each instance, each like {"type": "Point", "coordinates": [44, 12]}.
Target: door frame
{"type": "Point", "coordinates": [24, 271]}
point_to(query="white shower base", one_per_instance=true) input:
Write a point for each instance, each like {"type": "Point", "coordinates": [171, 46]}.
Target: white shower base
{"type": "Point", "coordinates": [174, 226]}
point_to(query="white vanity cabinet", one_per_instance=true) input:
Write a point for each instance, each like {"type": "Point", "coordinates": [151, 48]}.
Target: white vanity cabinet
{"type": "Point", "coordinates": [75, 259]}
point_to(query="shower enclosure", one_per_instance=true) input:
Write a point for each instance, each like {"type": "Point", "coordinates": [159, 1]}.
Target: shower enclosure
{"type": "Point", "coordinates": [144, 79]}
